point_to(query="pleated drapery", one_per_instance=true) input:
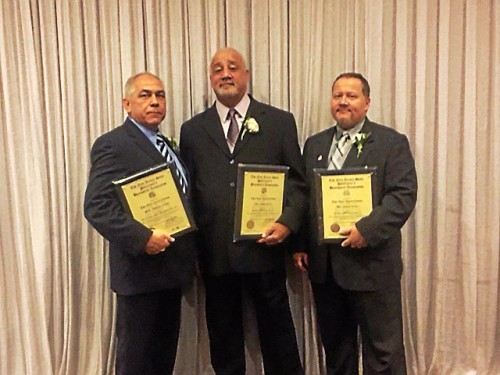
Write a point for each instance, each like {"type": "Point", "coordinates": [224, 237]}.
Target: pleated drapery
{"type": "Point", "coordinates": [434, 70]}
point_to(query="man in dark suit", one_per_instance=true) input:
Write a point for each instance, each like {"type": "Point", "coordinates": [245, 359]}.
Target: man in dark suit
{"type": "Point", "coordinates": [148, 269]}
{"type": "Point", "coordinates": [357, 283]}
{"type": "Point", "coordinates": [256, 267]}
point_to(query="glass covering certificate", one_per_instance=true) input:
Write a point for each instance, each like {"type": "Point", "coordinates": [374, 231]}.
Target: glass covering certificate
{"type": "Point", "coordinates": [154, 198]}
{"type": "Point", "coordinates": [342, 198]}
{"type": "Point", "coordinates": [260, 198]}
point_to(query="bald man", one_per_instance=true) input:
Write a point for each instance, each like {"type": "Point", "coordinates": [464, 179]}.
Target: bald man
{"type": "Point", "coordinates": [212, 146]}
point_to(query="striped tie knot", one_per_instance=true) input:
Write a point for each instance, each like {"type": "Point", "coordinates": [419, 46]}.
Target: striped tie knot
{"type": "Point", "coordinates": [176, 165]}
{"type": "Point", "coordinates": [160, 144]}
{"type": "Point", "coordinates": [341, 149]}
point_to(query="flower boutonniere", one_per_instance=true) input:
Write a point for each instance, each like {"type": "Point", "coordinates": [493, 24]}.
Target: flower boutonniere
{"type": "Point", "coordinates": [359, 140]}
{"type": "Point", "coordinates": [250, 125]}
{"type": "Point", "coordinates": [173, 142]}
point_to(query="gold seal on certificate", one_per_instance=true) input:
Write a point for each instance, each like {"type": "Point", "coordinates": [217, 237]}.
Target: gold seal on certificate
{"type": "Point", "coordinates": [260, 198]}
{"type": "Point", "coordinates": [342, 198]}
{"type": "Point", "coordinates": [154, 198]}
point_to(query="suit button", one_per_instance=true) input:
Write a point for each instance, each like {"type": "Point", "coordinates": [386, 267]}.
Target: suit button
{"type": "Point", "coordinates": [231, 161]}
{"type": "Point", "coordinates": [231, 184]}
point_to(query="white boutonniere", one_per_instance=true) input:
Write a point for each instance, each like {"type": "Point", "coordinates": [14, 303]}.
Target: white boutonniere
{"type": "Point", "coordinates": [250, 125]}
{"type": "Point", "coordinates": [359, 140]}
{"type": "Point", "coordinates": [173, 143]}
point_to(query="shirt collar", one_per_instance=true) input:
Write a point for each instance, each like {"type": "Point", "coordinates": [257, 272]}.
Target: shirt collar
{"type": "Point", "coordinates": [143, 128]}
{"type": "Point", "coordinates": [150, 134]}
{"type": "Point", "coordinates": [352, 132]}
{"type": "Point", "coordinates": [241, 107]}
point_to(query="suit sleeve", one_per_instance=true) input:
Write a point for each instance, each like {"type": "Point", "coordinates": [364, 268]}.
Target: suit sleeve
{"type": "Point", "coordinates": [296, 189]}
{"type": "Point", "coordinates": [399, 195]}
{"type": "Point", "coordinates": [102, 207]}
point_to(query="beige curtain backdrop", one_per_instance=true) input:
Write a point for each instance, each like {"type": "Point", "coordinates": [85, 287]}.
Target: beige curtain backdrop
{"type": "Point", "coordinates": [434, 68]}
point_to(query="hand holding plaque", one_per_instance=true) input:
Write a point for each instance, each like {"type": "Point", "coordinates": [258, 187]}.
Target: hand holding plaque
{"type": "Point", "coordinates": [154, 198]}
{"type": "Point", "coordinates": [342, 198]}
{"type": "Point", "coordinates": [260, 198]}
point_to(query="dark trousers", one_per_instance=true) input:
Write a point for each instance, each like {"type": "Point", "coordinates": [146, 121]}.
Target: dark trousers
{"type": "Point", "coordinates": [377, 314]}
{"type": "Point", "coordinates": [268, 294]}
{"type": "Point", "coordinates": [147, 331]}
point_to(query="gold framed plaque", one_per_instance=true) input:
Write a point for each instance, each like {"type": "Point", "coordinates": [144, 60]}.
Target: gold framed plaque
{"type": "Point", "coordinates": [154, 198]}
{"type": "Point", "coordinates": [342, 198]}
{"type": "Point", "coordinates": [260, 198]}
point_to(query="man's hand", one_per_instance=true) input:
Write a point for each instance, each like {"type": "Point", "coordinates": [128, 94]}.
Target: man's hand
{"type": "Point", "coordinates": [301, 261]}
{"type": "Point", "coordinates": [355, 239]}
{"type": "Point", "coordinates": [275, 233]}
{"type": "Point", "coordinates": [158, 242]}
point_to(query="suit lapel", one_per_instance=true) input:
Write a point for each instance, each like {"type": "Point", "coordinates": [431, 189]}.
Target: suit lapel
{"type": "Point", "coordinates": [355, 160]}
{"type": "Point", "coordinates": [213, 127]}
{"type": "Point", "coordinates": [322, 149]}
{"type": "Point", "coordinates": [256, 111]}
{"type": "Point", "coordinates": [143, 142]}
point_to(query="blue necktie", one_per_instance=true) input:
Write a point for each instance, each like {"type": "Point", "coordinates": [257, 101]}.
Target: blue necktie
{"type": "Point", "coordinates": [167, 154]}
{"type": "Point", "coordinates": [161, 145]}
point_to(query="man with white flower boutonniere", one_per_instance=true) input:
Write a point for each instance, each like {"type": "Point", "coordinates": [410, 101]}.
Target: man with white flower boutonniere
{"type": "Point", "coordinates": [356, 280]}
{"type": "Point", "coordinates": [239, 129]}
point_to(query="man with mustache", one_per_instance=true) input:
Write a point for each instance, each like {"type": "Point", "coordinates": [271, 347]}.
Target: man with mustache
{"type": "Point", "coordinates": [356, 283]}
{"type": "Point", "coordinates": [267, 136]}
{"type": "Point", "coordinates": [148, 267]}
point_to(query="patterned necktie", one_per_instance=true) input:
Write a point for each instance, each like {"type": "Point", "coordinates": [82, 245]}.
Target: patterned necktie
{"type": "Point", "coordinates": [233, 132]}
{"type": "Point", "coordinates": [161, 145]}
{"type": "Point", "coordinates": [167, 154]}
{"type": "Point", "coordinates": [341, 148]}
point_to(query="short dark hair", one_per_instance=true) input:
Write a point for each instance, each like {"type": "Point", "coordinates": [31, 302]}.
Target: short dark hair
{"type": "Point", "coordinates": [364, 82]}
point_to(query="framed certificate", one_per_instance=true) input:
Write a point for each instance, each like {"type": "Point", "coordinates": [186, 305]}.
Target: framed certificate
{"type": "Point", "coordinates": [342, 198]}
{"type": "Point", "coordinates": [154, 198]}
{"type": "Point", "coordinates": [260, 198]}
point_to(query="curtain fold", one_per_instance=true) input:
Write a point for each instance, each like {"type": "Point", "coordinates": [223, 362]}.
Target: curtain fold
{"type": "Point", "coordinates": [434, 70]}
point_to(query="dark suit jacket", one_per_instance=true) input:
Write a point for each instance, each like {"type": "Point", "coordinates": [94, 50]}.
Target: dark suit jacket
{"type": "Point", "coordinates": [379, 265]}
{"type": "Point", "coordinates": [213, 172]}
{"type": "Point", "coordinates": [119, 153]}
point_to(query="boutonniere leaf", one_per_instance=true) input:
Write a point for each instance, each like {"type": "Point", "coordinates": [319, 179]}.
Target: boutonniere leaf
{"type": "Point", "coordinates": [250, 125]}
{"type": "Point", "coordinates": [359, 140]}
{"type": "Point", "coordinates": [173, 142]}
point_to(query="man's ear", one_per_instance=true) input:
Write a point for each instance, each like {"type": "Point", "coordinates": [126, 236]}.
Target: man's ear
{"type": "Point", "coordinates": [126, 105]}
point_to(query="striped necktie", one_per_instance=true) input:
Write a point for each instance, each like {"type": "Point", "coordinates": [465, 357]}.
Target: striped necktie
{"type": "Point", "coordinates": [341, 149]}
{"type": "Point", "coordinates": [160, 144]}
{"type": "Point", "coordinates": [167, 154]}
